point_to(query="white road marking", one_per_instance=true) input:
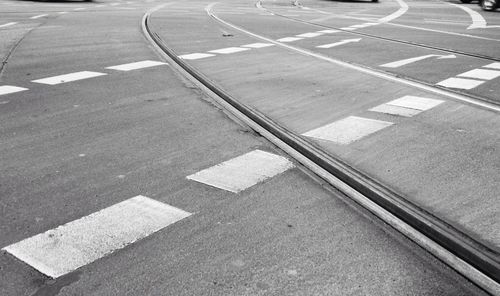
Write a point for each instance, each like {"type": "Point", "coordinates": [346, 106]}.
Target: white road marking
{"type": "Point", "coordinates": [460, 83]}
{"type": "Point", "coordinates": [481, 74]}
{"type": "Point", "coordinates": [348, 29]}
{"type": "Point", "coordinates": [9, 89]}
{"type": "Point", "coordinates": [346, 41]}
{"type": "Point", "coordinates": [417, 103]}
{"type": "Point", "coordinates": [195, 56]}
{"type": "Point", "coordinates": [395, 110]}
{"type": "Point", "coordinates": [402, 10]}
{"type": "Point", "coordinates": [80, 242]}
{"type": "Point", "coordinates": [136, 65]}
{"type": "Point", "coordinates": [38, 16]}
{"type": "Point", "coordinates": [478, 22]}
{"type": "Point", "coordinates": [68, 77]}
{"type": "Point", "coordinates": [229, 50]}
{"type": "Point", "coordinates": [347, 130]}
{"type": "Point", "coordinates": [289, 39]}
{"type": "Point", "coordinates": [243, 171]}
{"type": "Point", "coordinates": [62, 12]}
{"type": "Point", "coordinates": [309, 35]}
{"type": "Point", "coordinates": [79, 8]}
{"type": "Point", "coordinates": [493, 66]}
{"type": "Point", "coordinates": [258, 45]}
{"type": "Point", "coordinates": [8, 24]}
{"type": "Point", "coordinates": [328, 31]}
{"type": "Point", "coordinates": [404, 62]}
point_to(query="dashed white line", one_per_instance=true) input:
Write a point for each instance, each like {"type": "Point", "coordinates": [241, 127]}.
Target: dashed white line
{"type": "Point", "coordinates": [413, 102]}
{"type": "Point", "coordinates": [136, 65]}
{"type": "Point", "coordinates": [229, 50]}
{"type": "Point", "coordinates": [68, 77]}
{"type": "Point", "coordinates": [310, 35]}
{"type": "Point", "coordinates": [80, 242]}
{"type": "Point", "coordinates": [328, 31]}
{"type": "Point", "coordinates": [481, 74]}
{"type": "Point", "coordinates": [258, 45]}
{"type": "Point", "coordinates": [195, 56]}
{"type": "Point", "coordinates": [9, 89]}
{"type": "Point", "coordinates": [460, 83]}
{"type": "Point", "coordinates": [8, 24]}
{"type": "Point", "coordinates": [395, 110]}
{"type": "Point", "coordinates": [493, 66]}
{"type": "Point", "coordinates": [243, 171]}
{"type": "Point", "coordinates": [289, 39]}
{"type": "Point", "coordinates": [346, 41]}
{"type": "Point", "coordinates": [38, 16]}
{"type": "Point", "coordinates": [79, 8]}
{"type": "Point", "coordinates": [347, 130]}
{"type": "Point", "coordinates": [348, 29]}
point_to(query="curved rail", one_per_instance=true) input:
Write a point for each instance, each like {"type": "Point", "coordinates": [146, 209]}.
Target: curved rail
{"type": "Point", "coordinates": [471, 258]}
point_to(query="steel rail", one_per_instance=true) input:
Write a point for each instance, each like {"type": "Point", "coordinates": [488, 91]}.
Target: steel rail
{"type": "Point", "coordinates": [474, 260]}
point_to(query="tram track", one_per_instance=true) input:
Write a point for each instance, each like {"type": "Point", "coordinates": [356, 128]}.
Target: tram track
{"type": "Point", "coordinates": [468, 256]}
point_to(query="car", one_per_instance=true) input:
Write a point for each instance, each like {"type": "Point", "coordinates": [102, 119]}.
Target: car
{"type": "Point", "coordinates": [489, 5]}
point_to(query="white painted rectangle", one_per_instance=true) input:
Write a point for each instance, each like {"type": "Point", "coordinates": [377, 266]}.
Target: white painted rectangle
{"type": "Point", "coordinates": [493, 66]}
{"type": "Point", "coordinates": [258, 45]}
{"type": "Point", "coordinates": [328, 31]}
{"type": "Point", "coordinates": [136, 65]}
{"type": "Point", "coordinates": [347, 130]}
{"type": "Point", "coordinates": [68, 77]}
{"type": "Point", "coordinates": [9, 89]}
{"type": "Point", "coordinates": [243, 171]}
{"type": "Point", "coordinates": [310, 35]}
{"type": "Point", "coordinates": [61, 250]}
{"type": "Point", "coordinates": [195, 56]}
{"type": "Point", "coordinates": [460, 83]}
{"type": "Point", "coordinates": [395, 110]}
{"type": "Point", "coordinates": [38, 16]}
{"type": "Point", "coordinates": [481, 74]}
{"type": "Point", "coordinates": [358, 26]}
{"type": "Point", "coordinates": [413, 102]}
{"type": "Point", "coordinates": [289, 39]}
{"type": "Point", "coordinates": [229, 50]}
{"type": "Point", "coordinates": [348, 28]}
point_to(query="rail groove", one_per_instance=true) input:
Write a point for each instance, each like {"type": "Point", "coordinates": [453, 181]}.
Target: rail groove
{"type": "Point", "coordinates": [471, 258]}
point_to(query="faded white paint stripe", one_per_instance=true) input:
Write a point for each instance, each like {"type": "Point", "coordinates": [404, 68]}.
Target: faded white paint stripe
{"type": "Point", "coordinates": [68, 77]}
{"type": "Point", "coordinates": [481, 74]}
{"type": "Point", "coordinates": [243, 171]}
{"type": "Point", "coordinates": [348, 130]}
{"type": "Point", "coordinates": [8, 24]}
{"type": "Point", "coordinates": [395, 110]}
{"type": "Point", "coordinates": [328, 31]}
{"type": "Point", "coordinates": [8, 89]}
{"type": "Point", "coordinates": [310, 35]}
{"type": "Point", "coordinates": [136, 65]}
{"type": "Point", "coordinates": [229, 50]}
{"type": "Point", "coordinates": [258, 45]}
{"type": "Point", "coordinates": [493, 66]}
{"type": "Point", "coordinates": [460, 83]}
{"type": "Point", "coordinates": [80, 242]}
{"type": "Point", "coordinates": [195, 56]}
{"type": "Point", "coordinates": [348, 29]}
{"type": "Point", "coordinates": [38, 16]}
{"type": "Point", "coordinates": [289, 39]}
{"type": "Point", "coordinates": [417, 103]}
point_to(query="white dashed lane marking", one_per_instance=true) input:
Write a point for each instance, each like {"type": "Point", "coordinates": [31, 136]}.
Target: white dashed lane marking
{"type": "Point", "coordinates": [9, 89]}
{"type": "Point", "coordinates": [8, 24]}
{"type": "Point", "coordinates": [244, 171]}
{"type": "Point", "coordinates": [229, 50]}
{"type": "Point", "coordinates": [460, 83]}
{"type": "Point", "coordinates": [80, 242]}
{"type": "Point", "coordinates": [407, 106]}
{"type": "Point", "coordinates": [348, 130]}
{"type": "Point", "coordinates": [481, 74]}
{"type": "Point", "coordinates": [493, 66]}
{"type": "Point", "coordinates": [346, 41]}
{"type": "Point", "coordinates": [38, 16]}
{"type": "Point", "coordinates": [289, 39]}
{"type": "Point", "coordinates": [68, 77]}
{"type": "Point", "coordinates": [328, 31]}
{"type": "Point", "coordinates": [258, 45]}
{"type": "Point", "coordinates": [195, 56]}
{"type": "Point", "coordinates": [348, 28]}
{"type": "Point", "coordinates": [310, 35]}
{"type": "Point", "coordinates": [136, 65]}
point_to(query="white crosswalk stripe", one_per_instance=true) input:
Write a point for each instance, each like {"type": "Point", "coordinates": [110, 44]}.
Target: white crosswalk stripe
{"type": "Point", "coordinates": [68, 77]}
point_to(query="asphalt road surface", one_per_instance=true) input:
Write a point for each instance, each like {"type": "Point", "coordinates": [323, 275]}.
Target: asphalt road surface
{"type": "Point", "coordinates": [120, 176]}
